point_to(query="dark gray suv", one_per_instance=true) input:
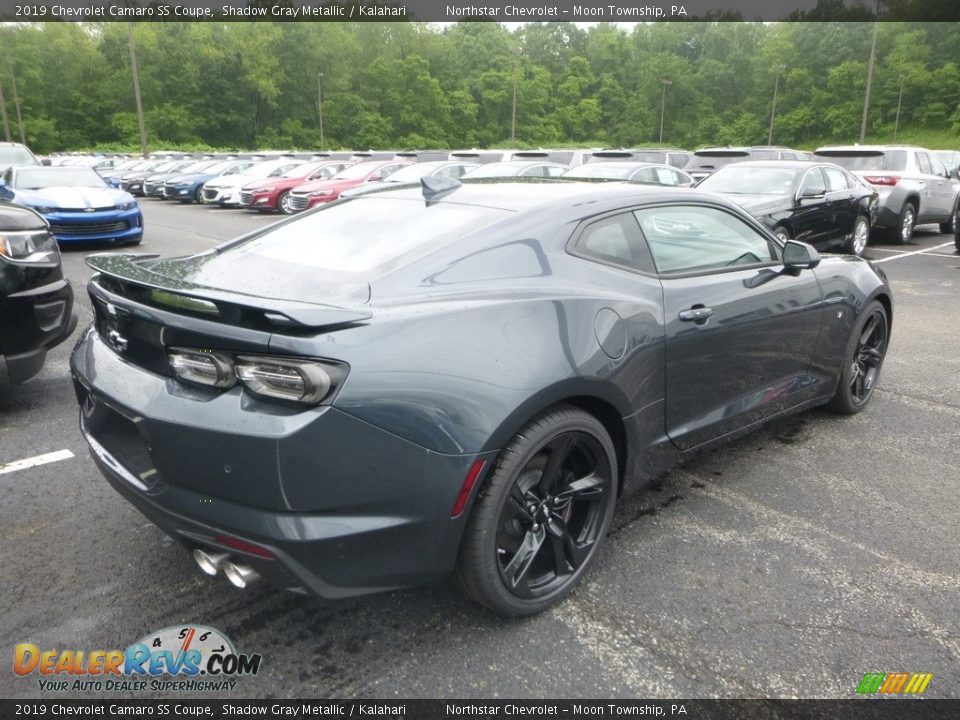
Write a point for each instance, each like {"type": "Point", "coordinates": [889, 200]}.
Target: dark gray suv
{"type": "Point", "coordinates": [914, 186]}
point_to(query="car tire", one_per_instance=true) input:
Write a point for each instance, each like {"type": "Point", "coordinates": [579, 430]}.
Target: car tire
{"type": "Point", "coordinates": [862, 360]}
{"type": "Point", "coordinates": [860, 237]}
{"type": "Point", "coordinates": [902, 232]}
{"type": "Point", "coordinates": [282, 202]}
{"type": "Point", "coordinates": [951, 227]}
{"type": "Point", "coordinates": [531, 537]}
{"type": "Point", "coordinates": [782, 233]}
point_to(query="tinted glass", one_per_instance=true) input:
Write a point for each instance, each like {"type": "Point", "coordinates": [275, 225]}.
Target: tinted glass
{"type": "Point", "coordinates": [923, 162]}
{"type": "Point", "coordinates": [813, 182]}
{"type": "Point", "coordinates": [741, 180]}
{"type": "Point", "coordinates": [701, 239]}
{"type": "Point", "coordinates": [836, 179]}
{"type": "Point", "coordinates": [341, 246]}
{"type": "Point", "coordinates": [765, 155]}
{"type": "Point", "coordinates": [714, 159]}
{"type": "Point", "coordinates": [616, 240]}
{"type": "Point", "coordinates": [866, 159]}
{"type": "Point", "coordinates": [610, 171]}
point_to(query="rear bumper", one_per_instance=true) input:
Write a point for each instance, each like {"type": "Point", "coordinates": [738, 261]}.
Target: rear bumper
{"type": "Point", "coordinates": [344, 507]}
{"type": "Point", "coordinates": [31, 322]}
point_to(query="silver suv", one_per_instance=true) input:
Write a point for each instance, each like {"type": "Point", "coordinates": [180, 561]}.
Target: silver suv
{"type": "Point", "coordinates": [12, 153]}
{"type": "Point", "coordinates": [913, 184]}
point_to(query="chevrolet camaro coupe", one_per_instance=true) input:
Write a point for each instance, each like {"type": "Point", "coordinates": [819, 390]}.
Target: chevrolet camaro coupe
{"type": "Point", "coordinates": [77, 202]}
{"type": "Point", "coordinates": [453, 378]}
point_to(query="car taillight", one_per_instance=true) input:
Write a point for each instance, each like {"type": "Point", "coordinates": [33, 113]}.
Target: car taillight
{"type": "Point", "coordinates": [309, 382]}
{"type": "Point", "coordinates": [890, 180]}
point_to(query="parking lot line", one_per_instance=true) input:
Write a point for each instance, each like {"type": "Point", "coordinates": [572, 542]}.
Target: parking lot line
{"type": "Point", "coordinates": [914, 252]}
{"type": "Point", "coordinates": [34, 461]}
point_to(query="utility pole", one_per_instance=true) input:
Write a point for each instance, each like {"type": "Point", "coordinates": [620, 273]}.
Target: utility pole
{"type": "Point", "coordinates": [896, 122]}
{"type": "Point", "coordinates": [873, 59]}
{"type": "Point", "coordinates": [16, 104]}
{"type": "Point", "coordinates": [663, 105]}
{"type": "Point", "coordinates": [136, 91]}
{"type": "Point", "coordinates": [773, 109]}
{"type": "Point", "coordinates": [513, 114]}
{"type": "Point", "coordinates": [3, 113]}
{"type": "Point", "coordinates": [320, 105]}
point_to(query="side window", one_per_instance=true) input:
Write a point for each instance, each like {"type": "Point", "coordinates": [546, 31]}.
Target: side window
{"type": "Point", "coordinates": [389, 170]}
{"type": "Point", "coordinates": [813, 183]}
{"type": "Point", "coordinates": [617, 240]}
{"type": "Point", "coordinates": [937, 166]}
{"type": "Point", "coordinates": [688, 238]}
{"type": "Point", "coordinates": [535, 171]}
{"type": "Point", "coordinates": [787, 155]}
{"type": "Point", "coordinates": [836, 180]}
{"type": "Point", "coordinates": [924, 163]}
{"type": "Point", "coordinates": [644, 175]}
{"type": "Point", "coordinates": [554, 171]}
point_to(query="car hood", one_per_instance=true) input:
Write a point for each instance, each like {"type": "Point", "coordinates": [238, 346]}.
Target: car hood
{"type": "Point", "coordinates": [74, 197]}
{"type": "Point", "coordinates": [231, 181]}
{"type": "Point", "coordinates": [759, 204]}
{"type": "Point", "coordinates": [197, 177]}
{"type": "Point", "coordinates": [14, 218]}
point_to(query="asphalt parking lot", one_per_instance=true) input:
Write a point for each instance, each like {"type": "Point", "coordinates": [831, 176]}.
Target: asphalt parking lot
{"type": "Point", "coordinates": [786, 564]}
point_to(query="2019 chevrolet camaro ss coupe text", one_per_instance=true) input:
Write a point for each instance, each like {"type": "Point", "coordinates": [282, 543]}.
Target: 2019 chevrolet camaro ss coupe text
{"type": "Point", "coordinates": [456, 378]}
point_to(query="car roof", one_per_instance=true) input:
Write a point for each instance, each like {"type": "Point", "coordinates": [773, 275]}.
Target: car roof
{"type": "Point", "coordinates": [519, 194]}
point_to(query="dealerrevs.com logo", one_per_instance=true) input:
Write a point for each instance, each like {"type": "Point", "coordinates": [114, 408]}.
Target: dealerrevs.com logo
{"type": "Point", "coordinates": [200, 658]}
{"type": "Point", "coordinates": [894, 683]}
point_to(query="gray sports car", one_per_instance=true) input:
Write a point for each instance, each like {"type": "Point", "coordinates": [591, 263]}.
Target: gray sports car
{"type": "Point", "coordinates": [456, 377]}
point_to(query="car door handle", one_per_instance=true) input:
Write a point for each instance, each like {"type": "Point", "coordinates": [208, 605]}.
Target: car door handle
{"type": "Point", "coordinates": [696, 314]}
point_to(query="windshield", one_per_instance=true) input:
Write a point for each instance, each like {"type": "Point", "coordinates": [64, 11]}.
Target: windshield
{"type": "Point", "coordinates": [270, 169]}
{"type": "Point", "coordinates": [16, 155]}
{"type": "Point", "coordinates": [356, 172]}
{"type": "Point", "coordinates": [492, 170]}
{"type": "Point", "coordinates": [413, 173]}
{"type": "Point", "coordinates": [44, 177]}
{"type": "Point", "coordinates": [865, 159]}
{"type": "Point", "coordinates": [750, 180]}
{"type": "Point", "coordinates": [341, 247]}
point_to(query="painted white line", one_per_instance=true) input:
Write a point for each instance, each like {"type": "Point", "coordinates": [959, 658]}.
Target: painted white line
{"type": "Point", "coordinates": [915, 252]}
{"type": "Point", "coordinates": [34, 461]}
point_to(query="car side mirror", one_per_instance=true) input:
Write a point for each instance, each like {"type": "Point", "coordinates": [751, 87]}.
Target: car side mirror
{"type": "Point", "coordinates": [810, 193]}
{"type": "Point", "coordinates": [954, 173]}
{"type": "Point", "coordinates": [45, 161]}
{"type": "Point", "coordinates": [800, 256]}
{"type": "Point", "coordinates": [374, 178]}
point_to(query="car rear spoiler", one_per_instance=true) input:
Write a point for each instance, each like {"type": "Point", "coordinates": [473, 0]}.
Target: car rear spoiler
{"type": "Point", "coordinates": [129, 276]}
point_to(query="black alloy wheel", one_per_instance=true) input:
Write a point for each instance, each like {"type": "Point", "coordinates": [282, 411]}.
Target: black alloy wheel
{"type": "Point", "coordinates": [862, 361]}
{"type": "Point", "coordinates": [542, 515]}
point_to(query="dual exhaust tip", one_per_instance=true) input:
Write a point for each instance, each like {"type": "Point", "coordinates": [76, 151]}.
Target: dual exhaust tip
{"type": "Point", "coordinates": [211, 562]}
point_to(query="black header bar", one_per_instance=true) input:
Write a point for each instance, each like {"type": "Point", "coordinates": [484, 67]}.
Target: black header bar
{"type": "Point", "coordinates": [463, 10]}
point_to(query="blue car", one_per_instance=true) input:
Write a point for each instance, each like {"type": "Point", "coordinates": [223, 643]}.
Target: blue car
{"type": "Point", "coordinates": [77, 202]}
{"type": "Point", "coordinates": [188, 188]}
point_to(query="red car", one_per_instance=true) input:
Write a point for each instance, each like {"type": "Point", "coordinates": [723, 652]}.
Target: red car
{"type": "Point", "coordinates": [273, 193]}
{"type": "Point", "coordinates": [313, 193]}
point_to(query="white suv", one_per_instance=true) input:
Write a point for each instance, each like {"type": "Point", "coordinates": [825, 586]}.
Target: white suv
{"type": "Point", "coordinates": [913, 185]}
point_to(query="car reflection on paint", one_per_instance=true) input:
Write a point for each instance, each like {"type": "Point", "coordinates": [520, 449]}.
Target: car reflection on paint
{"type": "Point", "coordinates": [460, 378]}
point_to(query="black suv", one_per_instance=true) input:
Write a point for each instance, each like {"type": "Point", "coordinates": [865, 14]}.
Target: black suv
{"type": "Point", "coordinates": [36, 302]}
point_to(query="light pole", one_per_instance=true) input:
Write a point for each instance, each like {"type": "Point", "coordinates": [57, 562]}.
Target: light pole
{"type": "Point", "coordinates": [3, 114]}
{"type": "Point", "coordinates": [513, 109]}
{"type": "Point", "coordinates": [896, 122]}
{"type": "Point", "coordinates": [773, 109]}
{"type": "Point", "coordinates": [136, 91]}
{"type": "Point", "coordinates": [320, 105]}
{"type": "Point", "coordinates": [663, 104]}
{"type": "Point", "coordinates": [16, 104]}
{"type": "Point", "coordinates": [873, 59]}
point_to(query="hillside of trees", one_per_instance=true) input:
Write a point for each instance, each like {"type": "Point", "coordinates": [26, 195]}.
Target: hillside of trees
{"type": "Point", "coordinates": [414, 85]}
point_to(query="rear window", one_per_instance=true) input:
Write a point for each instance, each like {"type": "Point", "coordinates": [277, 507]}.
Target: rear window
{"type": "Point", "coordinates": [865, 159]}
{"type": "Point", "coordinates": [342, 246]}
{"type": "Point", "coordinates": [712, 159]}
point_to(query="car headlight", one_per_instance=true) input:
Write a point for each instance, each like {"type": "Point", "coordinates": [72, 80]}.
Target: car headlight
{"type": "Point", "coordinates": [29, 246]}
{"type": "Point", "coordinates": [321, 193]}
{"type": "Point", "coordinates": [130, 205]}
{"type": "Point", "coordinates": [43, 210]}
